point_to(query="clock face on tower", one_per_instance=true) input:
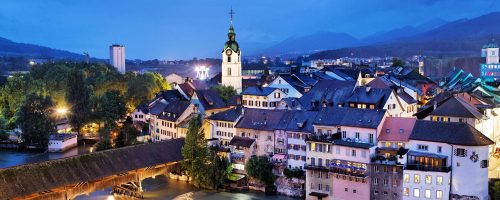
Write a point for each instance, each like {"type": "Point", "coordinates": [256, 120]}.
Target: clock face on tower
{"type": "Point", "coordinates": [229, 52]}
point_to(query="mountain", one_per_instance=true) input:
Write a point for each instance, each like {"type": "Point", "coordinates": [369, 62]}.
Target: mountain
{"type": "Point", "coordinates": [390, 35]}
{"type": "Point", "coordinates": [10, 48]}
{"type": "Point", "coordinates": [431, 24]}
{"type": "Point", "coordinates": [312, 43]}
{"type": "Point", "coordinates": [463, 37]}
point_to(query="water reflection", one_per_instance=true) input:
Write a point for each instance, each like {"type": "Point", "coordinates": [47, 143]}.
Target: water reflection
{"type": "Point", "coordinates": [9, 158]}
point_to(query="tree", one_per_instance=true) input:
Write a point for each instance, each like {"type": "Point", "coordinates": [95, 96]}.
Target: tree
{"type": "Point", "coordinates": [293, 173]}
{"type": "Point", "coordinates": [104, 139]}
{"type": "Point", "coordinates": [397, 63]}
{"type": "Point", "coordinates": [127, 135]}
{"type": "Point", "coordinates": [205, 167]}
{"type": "Point", "coordinates": [260, 168]}
{"type": "Point", "coordinates": [225, 92]}
{"type": "Point", "coordinates": [79, 99]}
{"type": "Point", "coordinates": [496, 190]}
{"type": "Point", "coordinates": [143, 87]}
{"type": "Point", "coordinates": [111, 108]}
{"type": "Point", "coordinates": [35, 120]}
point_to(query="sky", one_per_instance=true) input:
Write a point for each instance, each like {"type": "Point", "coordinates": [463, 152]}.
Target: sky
{"type": "Point", "coordinates": [173, 29]}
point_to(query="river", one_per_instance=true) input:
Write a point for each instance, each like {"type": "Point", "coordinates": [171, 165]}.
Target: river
{"type": "Point", "coordinates": [159, 188]}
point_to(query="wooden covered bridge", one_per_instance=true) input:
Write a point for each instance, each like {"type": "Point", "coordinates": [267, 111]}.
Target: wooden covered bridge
{"type": "Point", "coordinates": [122, 168]}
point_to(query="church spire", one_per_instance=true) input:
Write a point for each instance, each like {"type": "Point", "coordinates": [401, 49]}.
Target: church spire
{"type": "Point", "coordinates": [231, 34]}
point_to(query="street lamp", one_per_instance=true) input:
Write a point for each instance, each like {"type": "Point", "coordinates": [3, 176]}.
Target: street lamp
{"type": "Point", "coordinates": [61, 111]}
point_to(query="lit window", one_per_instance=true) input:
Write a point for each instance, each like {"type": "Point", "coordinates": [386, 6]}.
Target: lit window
{"type": "Point", "coordinates": [406, 191]}
{"type": "Point", "coordinates": [416, 178]}
{"type": "Point", "coordinates": [416, 192]}
{"type": "Point", "coordinates": [439, 180]}
{"type": "Point", "coordinates": [406, 178]}
{"type": "Point", "coordinates": [439, 194]}
{"type": "Point", "coordinates": [428, 179]}
{"type": "Point", "coordinates": [427, 194]}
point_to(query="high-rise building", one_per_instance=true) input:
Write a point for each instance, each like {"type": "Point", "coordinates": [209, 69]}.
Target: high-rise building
{"type": "Point", "coordinates": [231, 60]}
{"type": "Point", "coordinates": [117, 57]}
{"type": "Point", "coordinates": [490, 71]}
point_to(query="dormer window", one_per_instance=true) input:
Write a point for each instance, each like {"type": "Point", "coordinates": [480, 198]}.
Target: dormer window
{"type": "Point", "coordinates": [401, 130]}
{"type": "Point", "coordinates": [387, 130]}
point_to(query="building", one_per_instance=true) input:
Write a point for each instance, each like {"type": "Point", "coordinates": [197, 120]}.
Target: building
{"type": "Point", "coordinates": [441, 160]}
{"type": "Point", "coordinates": [340, 151]}
{"type": "Point", "coordinates": [376, 98]}
{"type": "Point", "coordinates": [166, 117]}
{"type": "Point", "coordinates": [117, 57]}
{"type": "Point", "coordinates": [242, 148]}
{"type": "Point", "coordinates": [490, 71]}
{"type": "Point", "coordinates": [299, 127]}
{"type": "Point", "coordinates": [231, 61]}
{"type": "Point", "coordinates": [294, 85]}
{"type": "Point", "coordinates": [262, 97]}
{"type": "Point", "coordinates": [223, 125]}
{"type": "Point", "coordinates": [327, 93]}
{"type": "Point", "coordinates": [61, 142]}
{"type": "Point", "coordinates": [208, 102]}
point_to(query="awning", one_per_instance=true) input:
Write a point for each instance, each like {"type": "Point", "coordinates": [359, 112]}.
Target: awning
{"type": "Point", "coordinates": [319, 195]}
{"type": "Point", "coordinates": [279, 156]}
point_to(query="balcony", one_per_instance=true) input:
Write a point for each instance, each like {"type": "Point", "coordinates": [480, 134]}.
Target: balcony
{"type": "Point", "coordinates": [427, 168]}
{"type": "Point", "coordinates": [338, 170]}
{"type": "Point", "coordinates": [337, 140]}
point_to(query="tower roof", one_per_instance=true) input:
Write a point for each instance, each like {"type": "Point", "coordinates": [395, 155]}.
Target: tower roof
{"type": "Point", "coordinates": [490, 45]}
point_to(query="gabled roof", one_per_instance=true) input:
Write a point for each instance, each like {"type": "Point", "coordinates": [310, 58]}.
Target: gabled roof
{"type": "Point", "coordinates": [301, 121]}
{"type": "Point", "coordinates": [456, 133]}
{"type": "Point", "coordinates": [377, 96]}
{"type": "Point", "coordinates": [143, 108]}
{"type": "Point", "coordinates": [345, 73]}
{"type": "Point", "coordinates": [235, 100]}
{"type": "Point", "coordinates": [353, 117]}
{"type": "Point", "coordinates": [258, 91]}
{"type": "Point", "coordinates": [210, 99]}
{"type": "Point", "coordinates": [396, 129]}
{"type": "Point", "coordinates": [230, 115]}
{"type": "Point", "coordinates": [173, 110]}
{"type": "Point", "coordinates": [263, 119]}
{"type": "Point", "coordinates": [157, 108]}
{"type": "Point", "coordinates": [380, 82]}
{"type": "Point", "coordinates": [190, 85]}
{"type": "Point", "coordinates": [297, 82]}
{"type": "Point", "coordinates": [406, 97]}
{"type": "Point", "coordinates": [241, 141]}
{"type": "Point", "coordinates": [456, 107]}
{"type": "Point", "coordinates": [331, 92]}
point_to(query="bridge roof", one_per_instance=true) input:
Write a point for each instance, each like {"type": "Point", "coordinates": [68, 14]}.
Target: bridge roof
{"type": "Point", "coordinates": [33, 178]}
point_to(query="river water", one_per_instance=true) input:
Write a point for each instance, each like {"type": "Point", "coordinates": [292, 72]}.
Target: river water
{"type": "Point", "coordinates": [158, 188]}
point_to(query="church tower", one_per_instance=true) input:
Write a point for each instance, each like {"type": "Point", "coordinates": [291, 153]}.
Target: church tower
{"type": "Point", "coordinates": [231, 60]}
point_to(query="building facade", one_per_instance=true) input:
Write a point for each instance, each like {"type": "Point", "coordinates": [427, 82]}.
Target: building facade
{"type": "Point", "coordinates": [117, 57]}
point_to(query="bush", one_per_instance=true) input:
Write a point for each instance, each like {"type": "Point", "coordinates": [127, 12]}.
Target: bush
{"type": "Point", "coordinates": [293, 173]}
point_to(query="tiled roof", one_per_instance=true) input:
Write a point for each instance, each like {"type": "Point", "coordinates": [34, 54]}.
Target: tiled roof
{"type": "Point", "coordinates": [292, 102]}
{"type": "Point", "coordinates": [301, 121]}
{"type": "Point", "coordinates": [174, 110]}
{"type": "Point", "coordinates": [456, 107]}
{"type": "Point", "coordinates": [158, 108]}
{"type": "Point", "coordinates": [406, 97]}
{"type": "Point", "coordinates": [396, 129]}
{"type": "Point", "coordinates": [241, 141]}
{"type": "Point", "coordinates": [210, 99]}
{"type": "Point", "coordinates": [353, 117]}
{"type": "Point", "coordinates": [332, 92]}
{"type": "Point", "coordinates": [143, 108]}
{"type": "Point", "coordinates": [456, 133]}
{"type": "Point", "coordinates": [258, 91]}
{"type": "Point", "coordinates": [377, 96]}
{"type": "Point", "coordinates": [230, 115]}
{"type": "Point", "coordinates": [262, 119]}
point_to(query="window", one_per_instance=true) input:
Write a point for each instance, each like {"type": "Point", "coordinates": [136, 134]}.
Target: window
{"type": "Point", "coordinates": [353, 153]}
{"type": "Point", "coordinates": [386, 182]}
{"type": "Point", "coordinates": [416, 192]}
{"type": "Point", "coordinates": [460, 152]}
{"type": "Point", "coordinates": [416, 178]}
{"type": "Point", "coordinates": [347, 190]}
{"type": "Point", "coordinates": [277, 95]}
{"type": "Point", "coordinates": [229, 68]}
{"type": "Point", "coordinates": [357, 135]}
{"type": "Point", "coordinates": [406, 178]}
{"type": "Point", "coordinates": [371, 138]}
{"type": "Point", "coordinates": [440, 149]}
{"type": "Point", "coordinates": [439, 194]}
{"type": "Point", "coordinates": [427, 194]}
{"type": "Point", "coordinates": [327, 188]}
{"type": "Point", "coordinates": [406, 191]}
{"type": "Point", "coordinates": [344, 134]}
{"type": "Point", "coordinates": [375, 181]}
{"type": "Point", "coordinates": [439, 180]}
{"type": "Point", "coordinates": [401, 130]}
{"type": "Point", "coordinates": [338, 150]}
{"type": "Point", "coordinates": [353, 191]}
{"type": "Point", "coordinates": [387, 130]}
{"type": "Point", "coordinates": [428, 179]}
{"type": "Point", "coordinates": [484, 164]}
{"type": "Point", "coordinates": [320, 187]}
{"type": "Point", "coordinates": [423, 147]}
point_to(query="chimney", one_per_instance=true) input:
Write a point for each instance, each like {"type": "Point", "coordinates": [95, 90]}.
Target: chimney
{"type": "Point", "coordinates": [435, 105]}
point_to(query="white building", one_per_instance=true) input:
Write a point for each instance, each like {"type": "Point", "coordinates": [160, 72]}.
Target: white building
{"type": "Point", "coordinates": [164, 119]}
{"type": "Point", "coordinates": [223, 125]}
{"type": "Point", "coordinates": [231, 62]}
{"type": "Point", "coordinates": [61, 142]}
{"type": "Point", "coordinates": [446, 160]}
{"type": "Point", "coordinates": [490, 51]}
{"type": "Point", "coordinates": [117, 57]}
{"type": "Point", "coordinates": [299, 127]}
{"type": "Point", "coordinates": [262, 97]}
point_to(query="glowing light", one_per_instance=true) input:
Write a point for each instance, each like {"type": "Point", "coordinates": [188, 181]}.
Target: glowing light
{"type": "Point", "coordinates": [110, 197]}
{"type": "Point", "coordinates": [32, 63]}
{"type": "Point", "coordinates": [201, 72]}
{"type": "Point", "coordinates": [61, 111]}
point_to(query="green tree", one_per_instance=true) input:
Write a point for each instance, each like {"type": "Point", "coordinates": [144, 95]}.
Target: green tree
{"type": "Point", "coordinates": [79, 99]}
{"type": "Point", "coordinates": [35, 120]}
{"type": "Point", "coordinates": [111, 108]}
{"type": "Point", "coordinates": [397, 63]}
{"type": "Point", "coordinates": [104, 139]}
{"type": "Point", "coordinates": [143, 87]}
{"type": "Point", "coordinates": [127, 135]}
{"type": "Point", "coordinates": [260, 168]}
{"type": "Point", "coordinates": [206, 168]}
{"type": "Point", "coordinates": [225, 92]}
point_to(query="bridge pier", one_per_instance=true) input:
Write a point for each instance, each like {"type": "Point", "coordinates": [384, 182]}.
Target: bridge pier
{"type": "Point", "coordinates": [131, 189]}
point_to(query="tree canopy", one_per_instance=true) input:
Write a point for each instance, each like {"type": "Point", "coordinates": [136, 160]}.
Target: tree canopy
{"type": "Point", "coordinates": [225, 92]}
{"type": "Point", "coordinates": [36, 121]}
{"type": "Point", "coordinates": [260, 168]}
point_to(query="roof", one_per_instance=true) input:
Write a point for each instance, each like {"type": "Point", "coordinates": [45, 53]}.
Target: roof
{"type": "Point", "coordinates": [143, 108]}
{"type": "Point", "coordinates": [263, 119]}
{"type": "Point", "coordinates": [258, 91]}
{"type": "Point", "coordinates": [210, 99]}
{"type": "Point", "coordinates": [353, 117]}
{"type": "Point", "coordinates": [229, 115]}
{"type": "Point", "coordinates": [296, 82]}
{"type": "Point", "coordinates": [456, 107]}
{"type": "Point", "coordinates": [43, 176]}
{"type": "Point", "coordinates": [173, 110]}
{"type": "Point", "coordinates": [301, 121]}
{"type": "Point", "coordinates": [242, 141]}
{"type": "Point", "coordinates": [292, 102]}
{"type": "Point", "coordinates": [406, 97]}
{"type": "Point", "coordinates": [377, 96]}
{"type": "Point", "coordinates": [235, 100]}
{"type": "Point", "coordinates": [184, 123]}
{"type": "Point", "coordinates": [331, 92]}
{"type": "Point", "coordinates": [158, 108]}
{"type": "Point", "coordinates": [380, 82]}
{"type": "Point", "coordinates": [190, 85]}
{"type": "Point", "coordinates": [396, 129]}
{"type": "Point", "coordinates": [344, 73]}
{"type": "Point", "coordinates": [456, 133]}
{"type": "Point", "coordinates": [169, 95]}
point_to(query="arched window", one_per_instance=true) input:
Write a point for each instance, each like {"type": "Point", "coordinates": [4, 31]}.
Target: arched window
{"type": "Point", "coordinates": [229, 59]}
{"type": "Point", "coordinates": [229, 70]}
